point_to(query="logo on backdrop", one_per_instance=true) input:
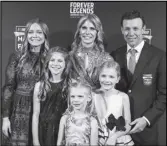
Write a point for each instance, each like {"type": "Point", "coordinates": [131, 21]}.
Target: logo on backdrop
{"type": "Point", "coordinates": [19, 36]}
{"type": "Point", "coordinates": [79, 9]}
{"type": "Point", "coordinates": [147, 35]}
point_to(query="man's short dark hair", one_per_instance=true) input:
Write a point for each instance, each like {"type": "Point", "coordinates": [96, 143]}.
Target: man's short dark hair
{"type": "Point", "coordinates": [132, 15]}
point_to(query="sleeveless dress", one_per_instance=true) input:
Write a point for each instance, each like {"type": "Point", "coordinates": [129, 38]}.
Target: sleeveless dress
{"type": "Point", "coordinates": [52, 109]}
{"type": "Point", "coordinates": [18, 95]}
{"type": "Point", "coordinates": [77, 131]}
{"type": "Point", "coordinates": [115, 108]}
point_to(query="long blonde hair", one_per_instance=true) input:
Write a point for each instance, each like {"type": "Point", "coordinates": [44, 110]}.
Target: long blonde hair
{"type": "Point", "coordinates": [25, 50]}
{"type": "Point", "coordinates": [98, 26]}
{"type": "Point", "coordinates": [83, 84]}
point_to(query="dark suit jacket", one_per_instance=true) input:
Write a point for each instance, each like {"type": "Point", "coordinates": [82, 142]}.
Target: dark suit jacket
{"type": "Point", "coordinates": [146, 88]}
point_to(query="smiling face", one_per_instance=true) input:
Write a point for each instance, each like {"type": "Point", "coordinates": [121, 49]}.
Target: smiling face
{"type": "Point", "coordinates": [35, 35]}
{"type": "Point", "coordinates": [133, 31]}
{"type": "Point", "coordinates": [88, 34]}
{"type": "Point", "coordinates": [79, 97]}
{"type": "Point", "coordinates": [56, 64]}
{"type": "Point", "coordinates": [108, 78]}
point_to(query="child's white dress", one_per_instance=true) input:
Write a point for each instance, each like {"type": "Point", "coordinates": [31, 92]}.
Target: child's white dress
{"type": "Point", "coordinates": [115, 107]}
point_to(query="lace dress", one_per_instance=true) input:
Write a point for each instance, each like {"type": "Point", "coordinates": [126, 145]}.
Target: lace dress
{"type": "Point", "coordinates": [52, 109]}
{"type": "Point", "coordinates": [77, 131]}
{"type": "Point", "coordinates": [18, 95]}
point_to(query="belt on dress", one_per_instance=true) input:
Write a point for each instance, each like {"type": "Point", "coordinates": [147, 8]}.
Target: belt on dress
{"type": "Point", "coordinates": [23, 92]}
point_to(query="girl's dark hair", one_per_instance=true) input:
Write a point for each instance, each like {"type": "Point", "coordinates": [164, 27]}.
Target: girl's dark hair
{"type": "Point", "coordinates": [45, 84]}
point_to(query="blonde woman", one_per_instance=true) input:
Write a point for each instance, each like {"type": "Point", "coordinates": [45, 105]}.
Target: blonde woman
{"type": "Point", "coordinates": [23, 71]}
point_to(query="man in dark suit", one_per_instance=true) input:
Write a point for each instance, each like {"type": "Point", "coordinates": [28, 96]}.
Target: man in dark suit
{"type": "Point", "coordinates": [143, 69]}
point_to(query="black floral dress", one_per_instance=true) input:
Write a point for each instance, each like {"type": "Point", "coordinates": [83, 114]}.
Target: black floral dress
{"type": "Point", "coordinates": [52, 109]}
{"type": "Point", "coordinates": [18, 95]}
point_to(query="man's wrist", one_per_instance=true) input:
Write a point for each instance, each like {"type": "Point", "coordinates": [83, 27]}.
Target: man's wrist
{"type": "Point", "coordinates": [148, 122]}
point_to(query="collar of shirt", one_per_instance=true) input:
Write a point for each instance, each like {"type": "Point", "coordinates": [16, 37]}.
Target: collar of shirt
{"type": "Point", "coordinates": [138, 48]}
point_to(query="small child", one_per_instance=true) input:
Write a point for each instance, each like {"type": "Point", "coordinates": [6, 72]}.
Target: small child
{"type": "Point", "coordinates": [78, 126]}
{"type": "Point", "coordinates": [112, 107]}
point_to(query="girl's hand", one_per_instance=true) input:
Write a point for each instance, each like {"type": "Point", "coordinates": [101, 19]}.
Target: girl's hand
{"type": "Point", "coordinates": [112, 137]}
{"type": "Point", "coordinates": [111, 141]}
{"type": "Point", "coordinates": [6, 126]}
{"type": "Point", "coordinates": [112, 132]}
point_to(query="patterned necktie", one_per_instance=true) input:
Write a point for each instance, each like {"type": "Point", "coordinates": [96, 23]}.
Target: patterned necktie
{"type": "Point", "coordinates": [132, 60]}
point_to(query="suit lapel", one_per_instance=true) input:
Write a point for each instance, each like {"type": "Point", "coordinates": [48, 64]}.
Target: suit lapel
{"type": "Point", "coordinates": [124, 58]}
{"type": "Point", "coordinates": [142, 62]}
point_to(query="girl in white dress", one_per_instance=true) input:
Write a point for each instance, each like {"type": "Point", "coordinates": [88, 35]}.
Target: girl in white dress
{"type": "Point", "coordinates": [111, 105]}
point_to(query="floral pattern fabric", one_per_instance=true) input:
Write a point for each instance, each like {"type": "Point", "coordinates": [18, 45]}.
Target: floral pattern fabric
{"type": "Point", "coordinates": [77, 131]}
{"type": "Point", "coordinates": [18, 95]}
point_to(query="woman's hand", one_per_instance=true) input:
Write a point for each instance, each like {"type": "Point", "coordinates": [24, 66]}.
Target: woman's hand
{"type": "Point", "coordinates": [6, 127]}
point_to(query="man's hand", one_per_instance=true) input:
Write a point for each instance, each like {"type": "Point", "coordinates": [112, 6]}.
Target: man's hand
{"type": "Point", "coordinates": [139, 123]}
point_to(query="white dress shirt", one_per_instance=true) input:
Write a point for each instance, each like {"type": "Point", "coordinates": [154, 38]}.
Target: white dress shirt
{"type": "Point", "coordinates": [137, 55]}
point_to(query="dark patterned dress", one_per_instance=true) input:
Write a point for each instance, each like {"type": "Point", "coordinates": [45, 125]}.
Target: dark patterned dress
{"type": "Point", "coordinates": [52, 109]}
{"type": "Point", "coordinates": [18, 95]}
